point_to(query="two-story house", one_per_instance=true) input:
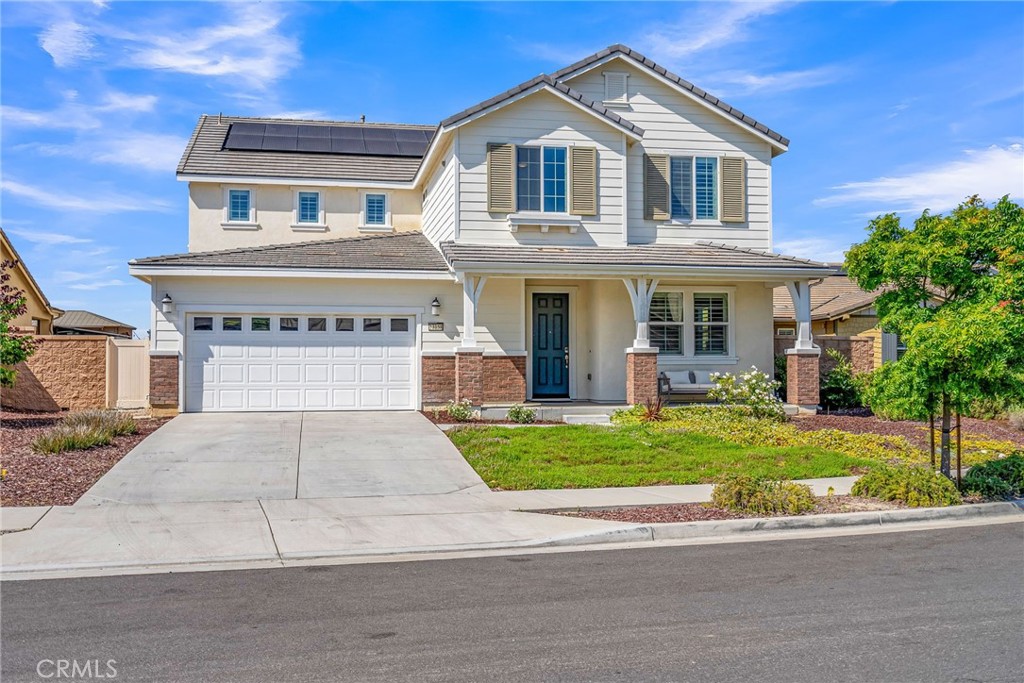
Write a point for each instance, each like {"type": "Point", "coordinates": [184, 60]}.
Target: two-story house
{"type": "Point", "coordinates": [565, 240]}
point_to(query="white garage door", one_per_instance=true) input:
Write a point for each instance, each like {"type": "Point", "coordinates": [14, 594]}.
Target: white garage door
{"type": "Point", "coordinates": [299, 362]}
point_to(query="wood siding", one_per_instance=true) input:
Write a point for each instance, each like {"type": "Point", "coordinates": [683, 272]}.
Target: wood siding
{"type": "Point", "coordinates": [439, 200]}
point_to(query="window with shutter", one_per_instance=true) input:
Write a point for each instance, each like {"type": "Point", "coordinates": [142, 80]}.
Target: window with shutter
{"type": "Point", "coordinates": [734, 191]}
{"type": "Point", "coordinates": [615, 91]}
{"type": "Point", "coordinates": [583, 184]}
{"type": "Point", "coordinates": [501, 190]}
{"type": "Point", "coordinates": [656, 187]}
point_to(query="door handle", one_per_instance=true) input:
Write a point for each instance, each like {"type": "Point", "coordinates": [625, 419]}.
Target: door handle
{"type": "Point", "coordinates": [566, 356]}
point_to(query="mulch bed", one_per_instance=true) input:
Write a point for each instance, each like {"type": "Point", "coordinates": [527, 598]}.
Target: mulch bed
{"type": "Point", "coordinates": [703, 512]}
{"type": "Point", "coordinates": [441, 417]}
{"type": "Point", "coordinates": [37, 479]}
{"type": "Point", "coordinates": [915, 432]}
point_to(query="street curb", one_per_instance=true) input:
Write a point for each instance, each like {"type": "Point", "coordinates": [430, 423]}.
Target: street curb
{"type": "Point", "coordinates": [683, 530]}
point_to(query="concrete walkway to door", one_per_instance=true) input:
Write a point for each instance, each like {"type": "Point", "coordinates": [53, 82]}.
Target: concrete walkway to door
{"type": "Point", "coordinates": [223, 457]}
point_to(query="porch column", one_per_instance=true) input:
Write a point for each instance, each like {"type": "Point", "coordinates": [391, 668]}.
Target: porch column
{"type": "Point", "coordinates": [641, 291]}
{"type": "Point", "coordinates": [641, 358]}
{"type": "Point", "coordinates": [469, 358]}
{"type": "Point", "coordinates": [802, 361]}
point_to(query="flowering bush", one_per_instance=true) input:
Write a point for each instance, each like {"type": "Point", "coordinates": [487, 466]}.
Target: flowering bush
{"type": "Point", "coordinates": [521, 414]}
{"type": "Point", "coordinates": [754, 390]}
{"type": "Point", "coordinates": [461, 411]}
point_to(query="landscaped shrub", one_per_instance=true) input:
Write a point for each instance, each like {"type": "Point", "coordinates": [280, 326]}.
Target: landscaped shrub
{"type": "Point", "coordinates": [652, 410]}
{"type": "Point", "coordinates": [917, 487]}
{"type": "Point", "coordinates": [754, 391]}
{"type": "Point", "coordinates": [522, 414]}
{"type": "Point", "coordinates": [781, 373]}
{"type": "Point", "coordinates": [461, 411]}
{"type": "Point", "coordinates": [752, 495]}
{"type": "Point", "coordinates": [997, 478]}
{"type": "Point", "coordinates": [86, 429]}
{"type": "Point", "coordinates": [840, 390]}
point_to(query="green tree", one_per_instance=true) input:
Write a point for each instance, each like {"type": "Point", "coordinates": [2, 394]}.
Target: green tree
{"type": "Point", "coordinates": [14, 348]}
{"type": "Point", "coordinates": [953, 289]}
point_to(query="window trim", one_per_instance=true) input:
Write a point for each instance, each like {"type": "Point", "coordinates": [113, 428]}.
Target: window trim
{"type": "Point", "coordinates": [568, 180]}
{"type": "Point", "coordinates": [226, 221]}
{"type": "Point", "coordinates": [689, 324]}
{"type": "Point", "coordinates": [374, 227]}
{"type": "Point", "coordinates": [320, 224]}
{"type": "Point", "coordinates": [693, 219]}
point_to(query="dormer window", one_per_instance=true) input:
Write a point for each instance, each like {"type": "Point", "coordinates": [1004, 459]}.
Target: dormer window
{"type": "Point", "coordinates": [375, 211]}
{"type": "Point", "coordinates": [615, 90]}
{"type": "Point", "coordinates": [239, 208]}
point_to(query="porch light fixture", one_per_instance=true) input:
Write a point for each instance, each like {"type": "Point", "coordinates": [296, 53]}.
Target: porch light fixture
{"type": "Point", "coordinates": [167, 304]}
{"type": "Point", "coordinates": [435, 307]}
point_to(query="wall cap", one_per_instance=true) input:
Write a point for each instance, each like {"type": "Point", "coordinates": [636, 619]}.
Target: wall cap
{"type": "Point", "coordinates": [803, 352]}
{"type": "Point", "coordinates": [160, 353]}
{"type": "Point", "coordinates": [642, 349]}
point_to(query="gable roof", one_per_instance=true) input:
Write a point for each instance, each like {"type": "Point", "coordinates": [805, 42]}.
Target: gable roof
{"type": "Point", "coordinates": [408, 251]}
{"type": "Point", "coordinates": [206, 155]}
{"type": "Point", "coordinates": [545, 82]}
{"type": "Point", "coordinates": [720, 105]}
{"type": "Point", "coordinates": [27, 273]}
{"type": "Point", "coordinates": [700, 255]}
{"type": "Point", "coordinates": [78, 319]}
{"type": "Point", "coordinates": [834, 296]}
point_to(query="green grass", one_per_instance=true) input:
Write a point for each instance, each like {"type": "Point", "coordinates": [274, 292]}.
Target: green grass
{"type": "Point", "coordinates": [581, 456]}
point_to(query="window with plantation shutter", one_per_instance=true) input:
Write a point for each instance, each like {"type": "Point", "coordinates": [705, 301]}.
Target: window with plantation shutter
{"type": "Point", "coordinates": [501, 177]}
{"type": "Point", "coordinates": [583, 181]}
{"type": "Point", "coordinates": [656, 187]}
{"type": "Point", "coordinates": [734, 191]}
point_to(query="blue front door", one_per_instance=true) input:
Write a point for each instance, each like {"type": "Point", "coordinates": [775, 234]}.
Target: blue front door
{"type": "Point", "coordinates": [551, 345]}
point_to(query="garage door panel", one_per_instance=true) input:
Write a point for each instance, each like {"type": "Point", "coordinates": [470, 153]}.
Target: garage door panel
{"type": "Point", "coordinates": [349, 364]}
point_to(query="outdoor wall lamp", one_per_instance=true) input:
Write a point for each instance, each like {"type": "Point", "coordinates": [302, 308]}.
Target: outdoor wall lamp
{"type": "Point", "coordinates": [435, 307]}
{"type": "Point", "coordinates": [167, 304]}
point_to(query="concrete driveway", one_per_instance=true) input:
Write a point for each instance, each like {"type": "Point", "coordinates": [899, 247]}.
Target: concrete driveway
{"type": "Point", "coordinates": [247, 456]}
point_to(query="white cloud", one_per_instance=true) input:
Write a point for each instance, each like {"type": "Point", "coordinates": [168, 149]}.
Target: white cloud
{"type": "Point", "coordinates": [79, 276]}
{"type": "Point", "coordinates": [780, 81]}
{"type": "Point", "coordinates": [714, 25]}
{"type": "Point", "coordinates": [149, 151]}
{"type": "Point", "coordinates": [119, 101]}
{"type": "Point", "coordinates": [248, 48]}
{"type": "Point", "coordinates": [99, 284]}
{"type": "Point", "coordinates": [67, 42]}
{"type": "Point", "coordinates": [305, 114]}
{"type": "Point", "coordinates": [73, 114]}
{"type": "Point", "coordinates": [48, 238]}
{"type": "Point", "coordinates": [815, 248]}
{"type": "Point", "coordinates": [990, 173]}
{"type": "Point", "coordinates": [94, 203]}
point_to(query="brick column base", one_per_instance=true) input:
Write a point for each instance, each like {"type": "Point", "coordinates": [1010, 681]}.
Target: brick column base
{"type": "Point", "coordinates": [163, 384]}
{"type": "Point", "coordinates": [469, 376]}
{"type": "Point", "coordinates": [641, 375]}
{"type": "Point", "coordinates": [802, 378]}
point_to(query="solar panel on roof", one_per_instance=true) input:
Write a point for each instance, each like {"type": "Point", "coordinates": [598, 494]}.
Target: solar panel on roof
{"type": "Point", "coordinates": [326, 139]}
{"type": "Point", "coordinates": [307, 144]}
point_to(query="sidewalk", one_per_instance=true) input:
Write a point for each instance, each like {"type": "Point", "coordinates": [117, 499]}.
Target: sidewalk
{"type": "Point", "coordinates": [114, 538]}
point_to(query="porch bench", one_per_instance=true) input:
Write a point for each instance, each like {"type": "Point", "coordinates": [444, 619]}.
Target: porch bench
{"type": "Point", "coordinates": [685, 384]}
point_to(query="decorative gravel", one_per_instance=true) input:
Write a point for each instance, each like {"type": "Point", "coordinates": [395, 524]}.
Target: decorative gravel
{"type": "Point", "coordinates": [915, 432]}
{"type": "Point", "coordinates": [61, 479]}
{"type": "Point", "coordinates": [703, 512]}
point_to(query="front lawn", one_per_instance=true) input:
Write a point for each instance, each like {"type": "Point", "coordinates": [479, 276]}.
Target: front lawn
{"type": "Point", "coordinates": [581, 456]}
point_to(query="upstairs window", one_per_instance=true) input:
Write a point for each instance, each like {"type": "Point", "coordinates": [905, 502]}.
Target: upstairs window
{"type": "Point", "coordinates": [693, 188]}
{"type": "Point", "coordinates": [308, 209]}
{"type": "Point", "coordinates": [541, 179]}
{"type": "Point", "coordinates": [376, 214]}
{"type": "Point", "coordinates": [240, 206]}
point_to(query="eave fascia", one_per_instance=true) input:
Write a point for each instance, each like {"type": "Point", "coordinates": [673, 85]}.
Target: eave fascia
{"type": "Point", "coordinates": [147, 272]}
{"type": "Point", "coordinates": [615, 271]}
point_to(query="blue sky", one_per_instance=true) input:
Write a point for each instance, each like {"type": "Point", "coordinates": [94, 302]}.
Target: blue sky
{"type": "Point", "coordinates": [890, 106]}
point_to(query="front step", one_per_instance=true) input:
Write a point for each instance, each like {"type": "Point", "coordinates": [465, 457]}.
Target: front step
{"type": "Point", "coordinates": [587, 420]}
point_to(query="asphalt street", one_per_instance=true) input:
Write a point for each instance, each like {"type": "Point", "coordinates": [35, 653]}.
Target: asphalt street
{"type": "Point", "coordinates": [939, 605]}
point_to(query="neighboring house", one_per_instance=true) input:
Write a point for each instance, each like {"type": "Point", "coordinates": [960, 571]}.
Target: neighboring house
{"type": "Point", "coordinates": [38, 318]}
{"type": "Point", "coordinates": [86, 322]}
{"type": "Point", "coordinates": [839, 309]}
{"type": "Point", "coordinates": [567, 239]}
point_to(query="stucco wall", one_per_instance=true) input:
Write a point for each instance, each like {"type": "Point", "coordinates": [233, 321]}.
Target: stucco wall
{"type": "Point", "coordinates": [274, 215]}
{"type": "Point", "coordinates": [36, 307]}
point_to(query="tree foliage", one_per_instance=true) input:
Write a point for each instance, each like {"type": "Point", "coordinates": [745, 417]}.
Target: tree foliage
{"type": "Point", "coordinates": [953, 289]}
{"type": "Point", "coordinates": [14, 348]}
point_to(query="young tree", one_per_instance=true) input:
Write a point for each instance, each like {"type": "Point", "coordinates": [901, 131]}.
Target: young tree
{"type": "Point", "coordinates": [14, 348]}
{"type": "Point", "coordinates": [953, 290]}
